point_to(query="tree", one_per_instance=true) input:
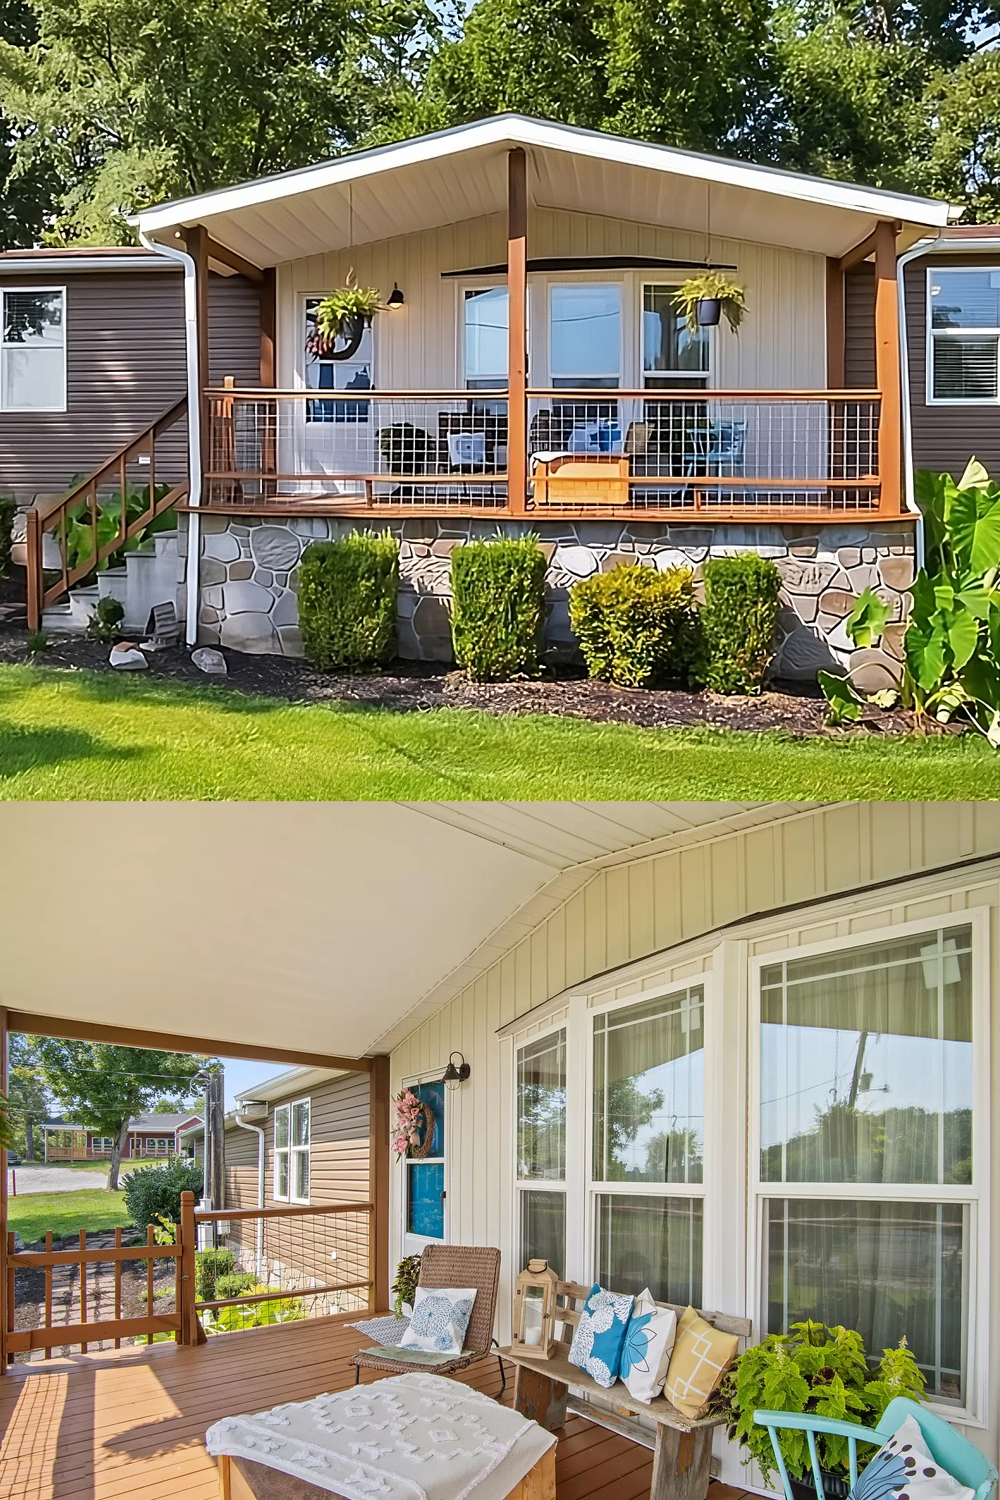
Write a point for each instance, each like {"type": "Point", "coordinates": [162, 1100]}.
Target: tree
{"type": "Point", "coordinates": [132, 101]}
{"type": "Point", "coordinates": [26, 1091]}
{"type": "Point", "coordinates": [104, 1086]}
{"type": "Point", "coordinates": [25, 198]}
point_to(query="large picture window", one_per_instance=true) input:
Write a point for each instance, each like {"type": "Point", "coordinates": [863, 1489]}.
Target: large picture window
{"type": "Point", "coordinates": [541, 1150]}
{"type": "Point", "coordinates": [585, 334]}
{"type": "Point", "coordinates": [963, 333]}
{"type": "Point", "coordinates": [33, 350]}
{"type": "Point", "coordinates": [866, 1082]}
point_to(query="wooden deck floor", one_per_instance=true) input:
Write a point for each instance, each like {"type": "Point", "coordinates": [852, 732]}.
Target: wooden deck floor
{"type": "Point", "coordinates": [131, 1423]}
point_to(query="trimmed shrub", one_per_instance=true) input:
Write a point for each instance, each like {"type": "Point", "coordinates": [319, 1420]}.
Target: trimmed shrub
{"type": "Point", "coordinates": [498, 608]}
{"type": "Point", "coordinates": [150, 1191]}
{"type": "Point", "coordinates": [739, 619]}
{"type": "Point", "coordinates": [211, 1267]}
{"type": "Point", "coordinates": [232, 1284]}
{"type": "Point", "coordinates": [8, 510]}
{"type": "Point", "coordinates": [635, 625]}
{"type": "Point", "coordinates": [347, 600]}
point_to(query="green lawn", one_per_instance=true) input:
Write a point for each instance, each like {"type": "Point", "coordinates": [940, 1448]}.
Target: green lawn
{"type": "Point", "coordinates": [65, 1213]}
{"type": "Point", "coordinates": [94, 736]}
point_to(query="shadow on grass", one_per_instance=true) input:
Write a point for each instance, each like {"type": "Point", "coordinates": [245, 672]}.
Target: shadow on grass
{"type": "Point", "coordinates": [24, 750]}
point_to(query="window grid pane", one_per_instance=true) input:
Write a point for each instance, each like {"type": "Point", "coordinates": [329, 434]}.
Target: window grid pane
{"type": "Point", "coordinates": [543, 1229]}
{"type": "Point", "coordinates": [965, 369]}
{"type": "Point", "coordinates": [646, 1241]}
{"type": "Point", "coordinates": [281, 1174]}
{"type": "Point", "coordinates": [541, 1109]}
{"type": "Point", "coordinates": [585, 334]}
{"type": "Point", "coordinates": [281, 1127]}
{"type": "Point", "coordinates": [668, 345]}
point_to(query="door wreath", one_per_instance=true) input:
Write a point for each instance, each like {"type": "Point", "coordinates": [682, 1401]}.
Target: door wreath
{"type": "Point", "coordinates": [409, 1115]}
{"type": "Point", "coordinates": [423, 1148]}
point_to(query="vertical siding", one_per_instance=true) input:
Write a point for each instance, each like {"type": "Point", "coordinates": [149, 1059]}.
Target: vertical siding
{"type": "Point", "coordinates": [944, 437]}
{"type": "Point", "coordinates": [781, 345]}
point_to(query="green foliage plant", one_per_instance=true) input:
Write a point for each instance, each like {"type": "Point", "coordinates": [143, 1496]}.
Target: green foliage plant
{"type": "Point", "coordinates": [80, 525]}
{"type": "Point", "coordinates": [498, 607]}
{"type": "Point", "coordinates": [712, 285]}
{"type": "Point", "coordinates": [211, 1267]}
{"type": "Point", "coordinates": [105, 620]}
{"type": "Point", "coordinates": [813, 1368]}
{"type": "Point", "coordinates": [347, 601]}
{"type": "Point", "coordinates": [338, 314]}
{"type": "Point", "coordinates": [405, 1284]}
{"type": "Point", "coordinates": [254, 1314]}
{"type": "Point", "coordinates": [8, 509]}
{"type": "Point", "coordinates": [38, 642]}
{"type": "Point", "coordinates": [636, 626]}
{"type": "Point", "coordinates": [739, 618]}
{"type": "Point", "coordinates": [154, 1193]}
{"type": "Point", "coordinates": [951, 649]}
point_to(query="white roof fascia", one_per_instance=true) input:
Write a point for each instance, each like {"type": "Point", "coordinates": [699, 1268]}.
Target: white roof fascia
{"type": "Point", "coordinates": [520, 131]}
{"type": "Point", "coordinates": [44, 265]}
{"type": "Point", "coordinates": [288, 1082]}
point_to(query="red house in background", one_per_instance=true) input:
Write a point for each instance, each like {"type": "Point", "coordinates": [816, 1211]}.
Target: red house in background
{"type": "Point", "coordinates": [148, 1136]}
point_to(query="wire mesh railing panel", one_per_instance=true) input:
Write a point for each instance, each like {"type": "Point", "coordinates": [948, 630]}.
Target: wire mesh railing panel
{"type": "Point", "coordinates": [376, 449]}
{"type": "Point", "coordinates": [255, 1269]}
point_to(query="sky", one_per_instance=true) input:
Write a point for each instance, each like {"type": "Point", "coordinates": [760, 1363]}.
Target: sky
{"type": "Point", "coordinates": [241, 1076]}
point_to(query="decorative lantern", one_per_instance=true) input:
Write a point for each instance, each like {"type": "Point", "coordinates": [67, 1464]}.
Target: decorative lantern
{"type": "Point", "coordinates": [535, 1310]}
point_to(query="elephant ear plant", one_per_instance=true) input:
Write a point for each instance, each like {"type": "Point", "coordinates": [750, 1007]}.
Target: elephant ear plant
{"type": "Point", "coordinates": [951, 650]}
{"type": "Point", "coordinates": [818, 1369]}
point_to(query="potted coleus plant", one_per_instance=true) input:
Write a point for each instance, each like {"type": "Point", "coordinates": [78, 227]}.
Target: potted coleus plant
{"type": "Point", "coordinates": [818, 1369]}
{"type": "Point", "coordinates": [345, 313]}
{"type": "Point", "coordinates": [706, 297]}
{"type": "Point", "coordinates": [405, 1285]}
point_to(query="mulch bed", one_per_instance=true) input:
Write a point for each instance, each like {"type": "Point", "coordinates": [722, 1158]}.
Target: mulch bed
{"type": "Point", "coordinates": [796, 709]}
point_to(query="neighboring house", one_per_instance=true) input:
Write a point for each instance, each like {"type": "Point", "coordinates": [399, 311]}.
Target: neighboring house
{"type": "Point", "coordinates": [530, 272]}
{"type": "Point", "coordinates": [148, 1136]}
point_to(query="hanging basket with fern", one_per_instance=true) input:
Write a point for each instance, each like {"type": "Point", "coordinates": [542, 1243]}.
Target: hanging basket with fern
{"type": "Point", "coordinates": [343, 314]}
{"type": "Point", "coordinates": [704, 299]}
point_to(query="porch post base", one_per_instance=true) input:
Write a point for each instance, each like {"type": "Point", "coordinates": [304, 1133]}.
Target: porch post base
{"type": "Point", "coordinates": [541, 1398]}
{"type": "Point", "coordinates": [681, 1463]}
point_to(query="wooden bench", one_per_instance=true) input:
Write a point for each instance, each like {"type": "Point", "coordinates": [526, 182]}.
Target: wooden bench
{"type": "Point", "coordinates": [682, 1452]}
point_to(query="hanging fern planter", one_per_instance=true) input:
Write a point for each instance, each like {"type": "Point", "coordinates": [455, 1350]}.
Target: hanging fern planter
{"type": "Point", "coordinates": [706, 297]}
{"type": "Point", "coordinates": [344, 314]}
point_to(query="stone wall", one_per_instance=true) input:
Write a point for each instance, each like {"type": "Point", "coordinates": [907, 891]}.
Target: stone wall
{"type": "Point", "coordinates": [249, 578]}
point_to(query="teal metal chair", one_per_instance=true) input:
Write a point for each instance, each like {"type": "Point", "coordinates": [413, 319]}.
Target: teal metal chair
{"type": "Point", "coordinates": [953, 1452]}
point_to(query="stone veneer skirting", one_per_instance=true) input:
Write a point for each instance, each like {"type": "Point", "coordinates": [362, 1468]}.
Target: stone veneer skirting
{"type": "Point", "coordinates": [249, 577]}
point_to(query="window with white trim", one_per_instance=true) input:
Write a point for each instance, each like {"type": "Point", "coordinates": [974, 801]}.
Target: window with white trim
{"type": "Point", "coordinates": [673, 358]}
{"type": "Point", "coordinates": [647, 1150]}
{"type": "Point", "coordinates": [541, 1150]}
{"type": "Point", "coordinates": [963, 321]}
{"type": "Point", "coordinates": [485, 338]}
{"type": "Point", "coordinates": [33, 349]}
{"type": "Point", "coordinates": [866, 1175]}
{"type": "Point", "coordinates": [291, 1152]}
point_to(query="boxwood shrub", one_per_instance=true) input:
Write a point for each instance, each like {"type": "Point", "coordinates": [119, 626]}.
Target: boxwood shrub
{"type": "Point", "coordinates": [347, 600]}
{"type": "Point", "coordinates": [498, 609]}
{"type": "Point", "coordinates": [739, 619]}
{"type": "Point", "coordinates": [636, 626]}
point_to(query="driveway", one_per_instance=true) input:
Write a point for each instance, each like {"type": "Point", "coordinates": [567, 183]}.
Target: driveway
{"type": "Point", "coordinates": [35, 1178]}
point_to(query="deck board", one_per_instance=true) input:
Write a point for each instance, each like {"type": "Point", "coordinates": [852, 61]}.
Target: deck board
{"type": "Point", "coordinates": [131, 1422]}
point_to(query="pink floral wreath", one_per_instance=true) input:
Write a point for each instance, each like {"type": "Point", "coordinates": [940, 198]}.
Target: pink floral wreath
{"type": "Point", "coordinates": [408, 1115]}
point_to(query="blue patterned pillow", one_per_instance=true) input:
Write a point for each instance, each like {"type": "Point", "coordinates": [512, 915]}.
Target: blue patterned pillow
{"type": "Point", "coordinates": [600, 1335]}
{"type": "Point", "coordinates": [440, 1317]}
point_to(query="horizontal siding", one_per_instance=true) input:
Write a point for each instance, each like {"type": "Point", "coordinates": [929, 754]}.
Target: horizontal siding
{"type": "Point", "coordinates": [234, 330]}
{"type": "Point", "coordinates": [944, 437]}
{"type": "Point", "coordinates": [859, 328]}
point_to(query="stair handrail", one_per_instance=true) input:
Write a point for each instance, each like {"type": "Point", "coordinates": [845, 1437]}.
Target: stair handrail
{"type": "Point", "coordinates": [57, 509]}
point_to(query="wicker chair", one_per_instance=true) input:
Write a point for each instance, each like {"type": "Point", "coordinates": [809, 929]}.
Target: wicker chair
{"type": "Point", "coordinates": [453, 1266]}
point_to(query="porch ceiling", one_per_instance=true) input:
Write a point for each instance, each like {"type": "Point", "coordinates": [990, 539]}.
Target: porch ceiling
{"type": "Point", "coordinates": [461, 174]}
{"type": "Point", "coordinates": [326, 927]}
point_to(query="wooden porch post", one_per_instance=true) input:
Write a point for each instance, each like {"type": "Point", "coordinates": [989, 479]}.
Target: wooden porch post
{"type": "Point", "coordinates": [887, 371]}
{"type": "Point", "coordinates": [196, 239]}
{"type": "Point", "coordinates": [378, 1181]}
{"type": "Point", "coordinates": [517, 331]}
{"type": "Point", "coordinates": [6, 1311]}
{"type": "Point", "coordinates": [836, 333]}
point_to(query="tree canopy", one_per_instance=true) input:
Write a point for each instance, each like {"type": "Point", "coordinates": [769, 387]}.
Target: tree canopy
{"type": "Point", "coordinates": [106, 105]}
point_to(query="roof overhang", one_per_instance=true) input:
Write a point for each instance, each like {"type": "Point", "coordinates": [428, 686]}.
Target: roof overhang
{"type": "Point", "coordinates": [333, 926]}
{"type": "Point", "coordinates": [461, 173]}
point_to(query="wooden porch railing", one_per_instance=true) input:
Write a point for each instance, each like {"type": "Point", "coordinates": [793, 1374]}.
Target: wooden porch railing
{"type": "Point", "coordinates": [52, 517]}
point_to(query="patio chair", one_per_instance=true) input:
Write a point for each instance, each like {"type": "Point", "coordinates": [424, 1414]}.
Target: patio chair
{"type": "Point", "coordinates": [452, 1266]}
{"type": "Point", "coordinates": [953, 1452]}
{"type": "Point", "coordinates": [717, 448]}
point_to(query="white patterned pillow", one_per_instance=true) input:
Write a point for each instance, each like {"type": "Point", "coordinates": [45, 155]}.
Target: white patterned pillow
{"type": "Point", "coordinates": [440, 1317]}
{"type": "Point", "coordinates": [904, 1469]}
{"type": "Point", "coordinates": [649, 1341]}
{"type": "Point", "coordinates": [600, 1334]}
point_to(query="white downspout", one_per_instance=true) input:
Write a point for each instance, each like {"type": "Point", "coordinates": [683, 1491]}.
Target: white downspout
{"type": "Point", "coordinates": [915, 251]}
{"type": "Point", "coordinates": [259, 1132]}
{"type": "Point", "coordinates": [171, 252]}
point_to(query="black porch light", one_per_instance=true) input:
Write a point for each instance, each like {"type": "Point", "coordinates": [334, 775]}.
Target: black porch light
{"type": "Point", "coordinates": [395, 298]}
{"type": "Point", "coordinates": [453, 1075]}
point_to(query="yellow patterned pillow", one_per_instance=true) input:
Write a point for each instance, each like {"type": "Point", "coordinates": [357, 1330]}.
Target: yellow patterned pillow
{"type": "Point", "coordinates": [701, 1357]}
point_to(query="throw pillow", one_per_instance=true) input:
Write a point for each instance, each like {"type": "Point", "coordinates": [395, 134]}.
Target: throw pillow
{"type": "Point", "coordinates": [440, 1317]}
{"type": "Point", "coordinates": [701, 1356]}
{"type": "Point", "coordinates": [649, 1340]}
{"type": "Point", "coordinates": [904, 1469]}
{"type": "Point", "coordinates": [600, 1334]}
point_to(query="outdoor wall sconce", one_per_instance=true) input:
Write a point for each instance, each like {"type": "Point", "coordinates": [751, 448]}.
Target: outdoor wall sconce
{"type": "Point", "coordinates": [395, 298]}
{"type": "Point", "coordinates": [453, 1075]}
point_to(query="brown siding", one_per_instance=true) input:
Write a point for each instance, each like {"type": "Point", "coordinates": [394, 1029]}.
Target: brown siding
{"type": "Point", "coordinates": [240, 1167]}
{"type": "Point", "coordinates": [859, 327]}
{"type": "Point", "coordinates": [944, 437]}
{"type": "Point", "coordinates": [124, 367]}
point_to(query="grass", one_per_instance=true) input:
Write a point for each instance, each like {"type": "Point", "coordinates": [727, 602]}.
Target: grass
{"type": "Point", "coordinates": [94, 736]}
{"type": "Point", "coordinates": [31, 1214]}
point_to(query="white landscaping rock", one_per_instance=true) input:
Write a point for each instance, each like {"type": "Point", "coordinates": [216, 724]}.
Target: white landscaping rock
{"type": "Point", "coordinates": [127, 658]}
{"type": "Point", "coordinates": [206, 659]}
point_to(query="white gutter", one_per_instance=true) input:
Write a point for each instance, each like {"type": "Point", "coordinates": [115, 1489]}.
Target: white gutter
{"type": "Point", "coordinates": [171, 252]}
{"type": "Point", "coordinates": [42, 265]}
{"type": "Point", "coordinates": [259, 1132]}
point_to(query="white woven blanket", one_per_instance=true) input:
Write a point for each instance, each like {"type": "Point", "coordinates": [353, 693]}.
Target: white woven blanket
{"type": "Point", "coordinates": [410, 1437]}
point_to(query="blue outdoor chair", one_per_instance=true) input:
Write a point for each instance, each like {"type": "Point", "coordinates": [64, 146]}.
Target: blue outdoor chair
{"type": "Point", "coordinates": [953, 1452]}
